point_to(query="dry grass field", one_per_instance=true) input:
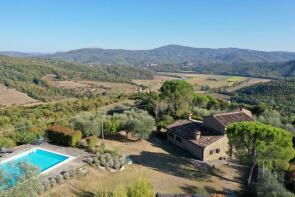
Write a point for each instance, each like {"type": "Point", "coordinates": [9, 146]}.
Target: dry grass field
{"type": "Point", "coordinates": [154, 84]}
{"type": "Point", "coordinates": [199, 80]}
{"type": "Point", "coordinates": [116, 87]}
{"type": "Point", "coordinates": [68, 84]}
{"type": "Point", "coordinates": [9, 97]}
{"type": "Point", "coordinates": [168, 169]}
{"type": "Point", "coordinates": [94, 86]}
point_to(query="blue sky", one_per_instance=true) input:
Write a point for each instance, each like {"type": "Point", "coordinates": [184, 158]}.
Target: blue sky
{"type": "Point", "coordinates": [58, 25]}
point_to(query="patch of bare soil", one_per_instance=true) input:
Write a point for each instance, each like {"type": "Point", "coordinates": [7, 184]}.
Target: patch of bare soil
{"type": "Point", "coordinates": [9, 97]}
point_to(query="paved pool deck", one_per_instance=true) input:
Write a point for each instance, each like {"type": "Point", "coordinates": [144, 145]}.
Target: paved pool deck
{"type": "Point", "coordinates": [76, 161]}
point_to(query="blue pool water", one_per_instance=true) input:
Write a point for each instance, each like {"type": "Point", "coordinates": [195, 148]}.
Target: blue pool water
{"type": "Point", "coordinates": [38, 157]}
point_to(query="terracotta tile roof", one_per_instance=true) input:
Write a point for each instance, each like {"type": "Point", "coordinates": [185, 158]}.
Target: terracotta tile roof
{"type": "Point", "coordinates": [232, 117]}
{"type": "Point", "coordinates": [187, 128]}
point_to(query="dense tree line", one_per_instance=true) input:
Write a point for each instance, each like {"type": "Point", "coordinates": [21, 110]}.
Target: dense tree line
{"type": "Point", "coordinates": [276, 70]}
{"type": "Point", "coordinates": [278, 93]}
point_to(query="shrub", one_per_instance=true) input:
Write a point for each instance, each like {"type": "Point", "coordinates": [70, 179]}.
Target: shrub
{"type": "Point", "coordinates": [97, 163]}
{"type": "Point", "coordinates": [89, 160]}
{"type": "Point", "coordinates": [95, 159]}
{"type": "Point", "coordinates": [46, 185]}
{"type": "Point", "coordinates": [103, 163]}
{"type": "Point", "coordinates": [111, 163]}
{"type": "Point", "coordinates": [59, 178]}
{"type": "Point", "coordinates": [6, 142]}
{"type": "Point", "coordinates": [97, 154]}
{"type": "Point", "coordinates": [115, 152]}
{"type": "Point", "coordinates": [66, 175]}
{"type": "Point", "coordinates": [92, 142]}
{"type": "Point", "coordinates": [24, 137]}
{"type": "Point", "coordinates": [107, 166]}
{"type": "Point", "coordinates": [82, 143]}
{"type": "Point", "coordinates": [52, 182]}
{"type": "Point", "coordinates": [122, 160]}
{"type": "Point", "coordinates": [63, 135]}
{"type": "Point", "coordinates": [102, 157]}
{"type": "Point", "coordinates": [117, 164]}
{"type": "Point", "coordinates": [141, 188]}
{"type": "Point", "coordinates": [108, 156]}
{"type": "Point", "coordinates": [101, 148]}
{"type": "Point", "coordinates": [268, 185]}
{"type": "Point", "coordinates": [40, 189]}
{"type": "Point", "coordinates": [72, 172]}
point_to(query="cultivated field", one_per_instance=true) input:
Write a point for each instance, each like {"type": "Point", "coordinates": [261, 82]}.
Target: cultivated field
{"type": "Point", "coordinates": [68, 84]}
{"type": "Point", "coordinates": [98, 87]}
{"type": "Point", "coordinates": [110, 86]}
{"type": "Point", "coordinates": [169, 169]}
{"type": "Point", "coordinates": [9, 97]}
{"type": "Point", "coordinates": [198, 80]}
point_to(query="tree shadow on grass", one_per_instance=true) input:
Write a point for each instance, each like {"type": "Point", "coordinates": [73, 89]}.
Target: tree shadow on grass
{"type": "Point", "coordinates": [192, 189]}
{"type": "Point", "coordinates": [168, 147]}
{"type": "Point", "coordinates": [120, 137]}
{"type": "Point", "coordinates": [180, 166]}
{"type": "Point", "coordinates": [181, 154]}
{"type": "Point", "coordinates": [173, 165]}
{"type": "Point", "coordinates": [82, 193]}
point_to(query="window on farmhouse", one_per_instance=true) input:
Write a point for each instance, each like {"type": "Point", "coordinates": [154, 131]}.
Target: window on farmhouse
{"type": "Point", "coordinates": [217, 150]}
{"type": "Point", "coordinates": [211, 152]}
{"type": "Point", "coordinates": [178, 139]}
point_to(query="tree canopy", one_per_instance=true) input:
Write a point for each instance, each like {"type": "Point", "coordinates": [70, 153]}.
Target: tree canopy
{"type": "Point", "coordinates": [179, 93]}
{"type": "Point", "coordinates": [263, 145]}
{"type": "Point", "coordinates": [137, 122]}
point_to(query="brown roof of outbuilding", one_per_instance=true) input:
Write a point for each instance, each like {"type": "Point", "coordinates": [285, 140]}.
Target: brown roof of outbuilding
{"type": "Point", "coordinates": [187, 128]}
{"type": "Point", "coordinates": [232, 117]}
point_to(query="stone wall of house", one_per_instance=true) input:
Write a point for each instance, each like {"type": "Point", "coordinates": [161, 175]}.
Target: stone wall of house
{"type": "Point", "coordinates": [216, 150]}
{"type": "Point", "coordinates": [211, 123]}
{"type": "Point", "coordinates": [186, 145]}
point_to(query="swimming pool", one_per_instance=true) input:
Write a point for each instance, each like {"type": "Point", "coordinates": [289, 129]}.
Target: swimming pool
{"type": "Point", "coordinates": [45, 160]}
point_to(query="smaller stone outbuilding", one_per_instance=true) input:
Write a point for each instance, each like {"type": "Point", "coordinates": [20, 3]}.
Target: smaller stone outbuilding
{"type": "Point", "coordinates": [205, 140]}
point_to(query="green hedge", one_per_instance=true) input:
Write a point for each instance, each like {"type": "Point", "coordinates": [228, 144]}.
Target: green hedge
{"type": "Point", "coordinates": [63, 135]}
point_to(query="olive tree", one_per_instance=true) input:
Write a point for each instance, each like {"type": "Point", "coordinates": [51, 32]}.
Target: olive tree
{"type": "Point", "coordinates": [137, 122]}
{"type": "Point", "coordinates": [25, 181]}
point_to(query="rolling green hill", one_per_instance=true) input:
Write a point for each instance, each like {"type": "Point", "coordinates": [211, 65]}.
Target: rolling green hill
{"type": "Point", "coordinates": [280, 94]}
{"type": "Point", "coordinates": [267, 70]}
{"type": "Point", "coordinates": [26, 75]}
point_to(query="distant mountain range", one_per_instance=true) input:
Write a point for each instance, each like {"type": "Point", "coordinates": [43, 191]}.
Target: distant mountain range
{"type": "Point", "coordinates": [229, 61]}
{"type": "Point", "coordinates": [22, 54]}
{"type": "Point", "coordinates": [170, 54]}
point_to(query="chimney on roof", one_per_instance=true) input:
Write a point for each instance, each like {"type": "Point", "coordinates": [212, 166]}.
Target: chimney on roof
{"type": "Point", "coordinates": [197, 135]}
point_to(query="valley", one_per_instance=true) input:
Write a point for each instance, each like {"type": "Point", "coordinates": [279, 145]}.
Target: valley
{"type": "Point", "coordinates": [203, 83]}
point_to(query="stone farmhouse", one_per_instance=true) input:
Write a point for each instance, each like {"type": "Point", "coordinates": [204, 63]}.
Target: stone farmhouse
{"type": "Point", "coordinates": [206, 140]}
